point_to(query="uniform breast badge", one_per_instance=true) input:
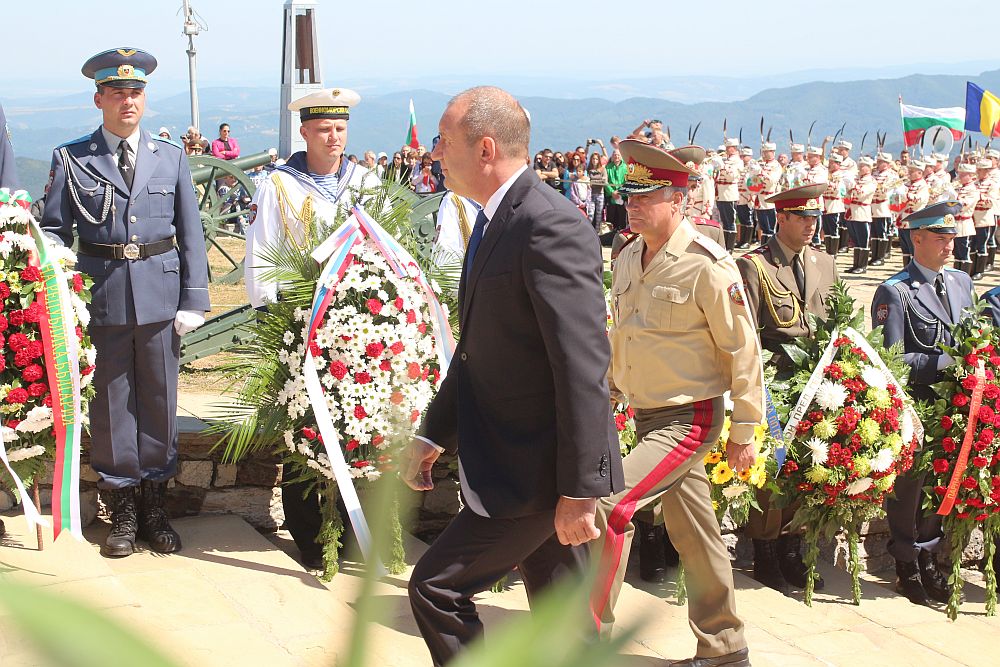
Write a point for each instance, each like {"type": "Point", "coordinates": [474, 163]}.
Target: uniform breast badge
{"type": "Point", "coordinates": [736, 294]}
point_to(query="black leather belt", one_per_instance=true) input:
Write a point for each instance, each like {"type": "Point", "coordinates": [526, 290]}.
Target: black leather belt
{"type": "Point", "coordinates": [129, 251]}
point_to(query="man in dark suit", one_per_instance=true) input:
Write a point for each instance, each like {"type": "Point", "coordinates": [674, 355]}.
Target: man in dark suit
{"type": "Point", "coordinates": [128, 197]}
{"type": "Point", "coordinates": [916, 307]}
{"type": "Point", "coordinates": [525, 401]}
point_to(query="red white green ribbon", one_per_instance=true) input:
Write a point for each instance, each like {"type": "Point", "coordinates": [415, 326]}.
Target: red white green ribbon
{"type": "Point", "coordinates": [62, 365]}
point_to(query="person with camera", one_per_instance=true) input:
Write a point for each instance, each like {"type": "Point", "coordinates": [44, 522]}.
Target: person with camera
{"type": "Point", "coordinates": [655, 136]}
{"type": "Point", "coordinates": [598, 176]}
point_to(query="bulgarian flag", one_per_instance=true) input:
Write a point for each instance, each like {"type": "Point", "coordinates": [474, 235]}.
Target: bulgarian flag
{"type": "Point", "coordinates": [918, 119]}
{"type": "Point", "coordinates": [411, 134]}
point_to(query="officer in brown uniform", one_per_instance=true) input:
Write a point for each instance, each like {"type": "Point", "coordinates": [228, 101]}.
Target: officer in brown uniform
{"type": "Point", "coordinates": [677, 294]}
{"type": "Point", "coordinates": [785, 279]}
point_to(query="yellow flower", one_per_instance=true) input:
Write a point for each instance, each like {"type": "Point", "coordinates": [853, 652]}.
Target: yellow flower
{"type": "Point", "coordinates": [713, 457]}
{"type": "Point", "coordinates": [726, 425]}
{"type": "Point", "coordinates": [715, 505]}
{"type": "Point", "coordinates": [758, 473]}
{"type": "Point", "coordinates": [759, 432]}
{"type": "Point", "coordinates": [745, 475]}
{"type": "Point", "coordinates": [721, 473]}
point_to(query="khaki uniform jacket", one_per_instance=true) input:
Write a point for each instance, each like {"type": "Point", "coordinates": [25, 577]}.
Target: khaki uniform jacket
{"type": "Point", "coordinates": [885, 181]}
{"type": "Point", "coordinates": [989, 200]}
{"type": "Point", "coordinates": [772, 295]}
{"type": "Point", "coordinates": [728, 179]}
{"type": "Point", "coordinates": [861, 198]}
{"type": "Point", "coordinates": [681, 330]}
{"type": "Point", "coordinates": [917, 194]}
{"type": "Point", "coordinates": [968, 197]}
{"type": "Point", "coordinates": [770, 173]}
{"type": "Point", "coordinates": [832, 201]}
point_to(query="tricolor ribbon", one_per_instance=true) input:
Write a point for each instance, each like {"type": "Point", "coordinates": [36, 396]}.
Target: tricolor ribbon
{"type": "Point", "coordinates": [62, 365]}
{"type": "Point", "coordinates": [338, 252]}
{"type": "Point", "coordinates": [958, 474]}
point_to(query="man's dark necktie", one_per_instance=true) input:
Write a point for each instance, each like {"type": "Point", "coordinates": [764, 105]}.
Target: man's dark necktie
{"type": "Point", "coordinates": [942, 293]}
{"type": "Point", "coordinates": [800, 276]}
{"type": "Point", "coordinates": [474, 240]}
{"type": "Point", "coordinates": [125, 164]}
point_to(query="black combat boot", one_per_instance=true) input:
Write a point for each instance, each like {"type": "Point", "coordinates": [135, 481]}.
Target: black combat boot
{"type": "Point", "coordinates": [935, 583]}
{"type": "Point", "coordinates": [790, 563]}
{"type": "Point", "coordinates": [730, 240]}
{"type": "Point", "coordinates": [766, 568]}
{"type": "Point", "coordinates": [908, 583]}
{"type": "Point", "coordinates": [153, 524]}
{"type": "Point", "coordinates": [991, 257]}
{"type": "Point", "coordinates": [979, 266]}
{"type": "Point", "coordinates": [875, 248]}
{"type": "Point", "coordinates": [3, 529]}
{"type": "Point", "coordinates": [652, 561]}
{"type": "Point", "coordinates": [670, 555]}
{"type": "Point", "coordinates": [746, 232]}
{"type": "Point", "coordinates": [121, 539]}
{"type": "Point", "coordinates": [831, 243]}
{"type": "Point", "coordinates": [845, 240]}
{"type": "Point", "coordinates": [860, 261]}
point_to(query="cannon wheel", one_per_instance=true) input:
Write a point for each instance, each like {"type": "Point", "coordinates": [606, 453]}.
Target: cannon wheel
{"type": "Point", "coordinates": [213, 219]}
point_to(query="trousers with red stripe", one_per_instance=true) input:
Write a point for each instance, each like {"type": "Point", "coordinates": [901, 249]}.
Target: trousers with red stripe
{"type": "Point", "coordinates": [666, 466]}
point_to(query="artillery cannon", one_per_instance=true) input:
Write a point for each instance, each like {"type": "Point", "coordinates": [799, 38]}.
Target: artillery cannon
{"type": "Point", "coordinates": [218, 210]}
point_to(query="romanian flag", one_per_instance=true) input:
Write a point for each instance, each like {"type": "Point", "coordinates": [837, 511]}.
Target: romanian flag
{"type": "Point", "coordinates": [982, 111]}
{"type": "Point", "coordinates": [411, 134]}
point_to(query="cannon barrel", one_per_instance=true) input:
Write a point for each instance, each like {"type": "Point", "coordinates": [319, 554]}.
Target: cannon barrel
{"type": "Point", "coordinates": [201, 174]}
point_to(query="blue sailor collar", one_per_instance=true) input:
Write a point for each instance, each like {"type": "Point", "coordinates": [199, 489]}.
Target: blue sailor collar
{"type": "Point", "coordinates": [297, 168]}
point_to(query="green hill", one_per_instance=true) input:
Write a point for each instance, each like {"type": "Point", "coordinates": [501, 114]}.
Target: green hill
{"type": "Point", "coordinates": [32, 175]}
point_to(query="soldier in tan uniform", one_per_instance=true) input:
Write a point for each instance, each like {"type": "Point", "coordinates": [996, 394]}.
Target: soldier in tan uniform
{"type": "Point", "coordinates": [785, 280]}
{"type": "Point", "coordinates": [816, 172]}
{"type": "Point", "coordinates": [968, 197]}
{"type": "Point", "coordinates": [860, 213]}
{"type": "Point", "coordinates": [985, 215]}
{"type": "Point", "coordinates": [847, 164]}
{"type": "Point", "coordinates": [770, 175]}
{"type": "Point", "coordinates": [885, 180]}
{"type": "Point", "coordinates": [915, 199]}
{"type": "Point", "coordinates": [744, 207]}
{"type": "Point", "coordinates": [993, 155]}
{"type": "Point", "coordinates": [677, 294]}
{"type": "Point", "coordinates": [833, 205]}
{"type": "Point", "coordinates": [727, 189]}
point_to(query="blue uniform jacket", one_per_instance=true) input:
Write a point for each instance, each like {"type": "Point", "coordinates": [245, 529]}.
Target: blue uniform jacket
{"type": "Point", "coordinates": [909, 310]}
{"type": "Point", "coordinates": [992, 299]}
{"type": "Point", "coordinates": [161, 205]}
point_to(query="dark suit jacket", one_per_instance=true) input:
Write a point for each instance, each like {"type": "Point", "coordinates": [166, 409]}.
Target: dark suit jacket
{"type": "Point", "coordinates": [525, 401]}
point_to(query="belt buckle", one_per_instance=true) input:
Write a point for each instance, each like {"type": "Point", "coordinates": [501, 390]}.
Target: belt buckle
{"type": "Point", "coordinates": [131, 251]}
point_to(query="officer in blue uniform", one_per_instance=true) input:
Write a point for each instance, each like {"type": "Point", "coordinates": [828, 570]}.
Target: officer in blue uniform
{"type": "Point", "coordinates": [127, 195]}
{"type": "Point", "coordinates": [917, 306]}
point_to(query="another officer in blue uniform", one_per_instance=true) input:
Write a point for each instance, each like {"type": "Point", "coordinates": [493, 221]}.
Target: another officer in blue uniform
{"type": "Point", "coordinates": [128, 196]}
{"type": "Point", "coordinates": [917, 306]}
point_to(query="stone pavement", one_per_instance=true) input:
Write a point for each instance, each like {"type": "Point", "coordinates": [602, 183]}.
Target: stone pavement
{"type": "Point", "coordinates": [233, 596]}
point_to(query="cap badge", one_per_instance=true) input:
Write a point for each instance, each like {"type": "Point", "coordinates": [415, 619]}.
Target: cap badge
{"type": "Point", "coordinates": [948, 219]}
{"type": "Point", "coordinates": [812, 203]}
{"type": "Point", "coordinates": [335, 92]}
{"type": "Point", "coordinates": [126, 71]}
{"type": "Point", "coordinates": [127, 52]}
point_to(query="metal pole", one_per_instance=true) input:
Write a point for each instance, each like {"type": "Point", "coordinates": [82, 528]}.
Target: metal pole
{"type": "Point", "coordinates": [191, 29]}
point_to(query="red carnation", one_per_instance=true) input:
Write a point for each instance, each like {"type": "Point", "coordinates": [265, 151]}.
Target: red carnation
{"type": "Point", "coordinates": [948, 444]}
{"type": "Point", "coordinates": [987, 435]}
{"type": "Point", "coordinates": [352, 445]}
{"type": "Point", "coordinates": [959, 400]}
{"type": "Point", "coordinates": [386, 365]}
{"type": "Point", "coordinates": [31, 274]}
{"type": "Point", "coordinates": [980, 461]}
{"type": "Point", "coordinates": [47, 401]}
{"type": "Point", "coordinates": [425, 373]}
{"type": "Point", "coordinates": [77, 283]}
{"type": "Point", "coordinates": [378, 440]}
{"type": "Point", "coordinates": [399, 303]}
{"type": "Point", "coordinates": [620, 420]}
{"type": "Point", "coordinates": [362, 378]}
{"type": "Point", "coordinates": [396, 398]}
{"type": "Point", "coordinates": [969, 483]}
{"type": "Point", "coordinates": [374, 350]}
{"type": "Point", "coordinates": [359, 411]}
{"type": "Point", "coordinates": [18, 395]}
{"type": "Point", "coordinates": [422, 328]}
{"type": "Point", "coordinates": [790, 467]}
{"type": "Point", "coordinates": [308, 433]}
{"type": "Point", "coordinates": [415, 416]}
{"type": "Point", "coordinates": [22, 357]}
{"type": "Point", "coordinates": [361, 464]}
{"type": "Point", "coordinates": [4, 290]}
{"type": "Point", "coordinates": [32, 373]}
{"type": "Point", "coordinates": [940, 490]}
{"type": "Point", "coordinates": [36, 349]}
{"type": "Point", "coordinates": [842, 340]}
{"type": "Point", "coordinates": [338, 369]}
{"type": "Point", "coordinates": [3, 363]}
{"type": "Point", "coordinates": [374, 306]}
{"type": "Point", "coordinates": [972, 360]}
{"type": "Point", "coordinates": [991, 391]}
{"type": "Point", "coordinates": [986, 413]}
{"type": "Point", "coordinates": [3, 321]}
{"type": "Point", "coordinates": [34, 312]}
{"type": "Point", "coordinates": [995, 360]}
{"type": "Point", "coordinates": [969, 383]}
{"type": "Point", "coordinates": [946, 422]}
{"type": "Point", "coordinates": [397, 348]}
{"type": "Point", "coordinates": [87, 371]}
{"type": "Point", "coordinates": [411, 317]}
{"type": "Point", "coordinates": [413, 370]}
{"type": "Point", "coordinates": [833, 370]}
{"type": "Point", "coordinates": [941, 465]}
{"type": "Point", "coordinates": [314, 349]}
{"type": "Point", "coordinates": [17, 317]}
{"type": "Point", "coordinates": [37, 389]}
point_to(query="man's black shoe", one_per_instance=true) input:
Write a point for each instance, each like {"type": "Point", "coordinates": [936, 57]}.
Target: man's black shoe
{"type": "Point", "coordinates": [652, 560]}
{"type": "Point", "coordinates": [790, 563]}
{"type": "Point", "coordinates": [153, 524]}
{"type": "Point", "coordinates": [935, 583]}
{"type": "Point", "coordinates": [908, 583]}
{"type": "Point", "coordinates": [739, 658]}
{"type": "Point", "coordinates": [121, 539]}
{"type": "Point", "coordinates": [765, 566]}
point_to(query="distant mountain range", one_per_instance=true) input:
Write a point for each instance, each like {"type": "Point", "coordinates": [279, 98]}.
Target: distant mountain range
{"type": "Point", "coordinates": [380, 122]}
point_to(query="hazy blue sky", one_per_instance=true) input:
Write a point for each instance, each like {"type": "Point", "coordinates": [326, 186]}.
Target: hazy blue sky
{"type": "Point", "coordinates": [408, 40]}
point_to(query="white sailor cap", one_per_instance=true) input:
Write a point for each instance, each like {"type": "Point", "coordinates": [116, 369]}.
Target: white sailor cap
{"type": "Point", "coordinates": [993, 153]}
{"type": "Point", "coordinates": [916, 164]}
{"type": "Point", "coordinates": [865, 160]}
{"type": "Point", "coordinates": [814, 150]}
{"type": "Point", "coordinates": [732, 141]}
{"type": "Point", "coordinates": [797, 148]}
{"type": "Point", "coordinates": [768, 146]}
{"type": "Point", "coordinates": [966, 168]}
{"type": "Point", "coordinates": [747, 152]}
{"type": "Point", "coordinates": [984, 164]}
{"type": "Point", "coordinates": [884, 157]}
{"type": "Point", "coordinates": [836, 158]}
{"type": "Point", "coordinates": [940, 157]}
{"type": "Point", "coordinates": [843, 143]}
{"type": "Point", "coordinates": [332, 103]}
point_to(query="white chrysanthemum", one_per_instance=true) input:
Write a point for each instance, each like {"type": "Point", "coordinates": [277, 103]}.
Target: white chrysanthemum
{"type": "Point", "coordinates": [26, 453]}
{"type": "Point", "coordinates": [735, 490]}
{"type": "Point", "coordinates": [859, 486]}
{"type": "Point", "coordinates": [288, 338]}
{"type": "Point", "coordinates": [9, 434]}
{"type": "Point", "coordinates": [37, 419]}
{"type": "Point", "coordinates": [818, 450]}
{"type": "Point", "coordinates": [874, 377]}
{"type": "Point", "coordinates": [906, 427]}
{"type": "Point", "coordinates": [289, 441]}
{"type": "Point", "coordinates": [882, 461]}
{"type": "Point", "coordinates": [831, 395]}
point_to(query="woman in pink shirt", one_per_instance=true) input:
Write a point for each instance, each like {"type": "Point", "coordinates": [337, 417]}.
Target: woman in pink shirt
{"type": "Point", "coordinates": [225, 147]}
